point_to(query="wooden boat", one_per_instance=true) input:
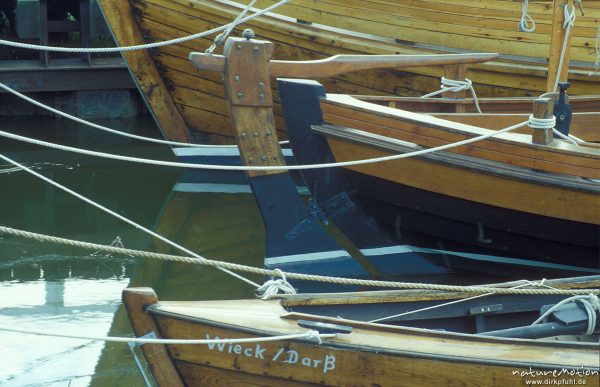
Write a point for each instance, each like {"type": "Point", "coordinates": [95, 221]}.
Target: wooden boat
{"type": "Point", "coordinates": [189, 106]}
{"type": "Point", "coordinates": [487, 340]}
{"type": "Point", "coordinates": [524, 197]}
{"type": "Point", "coordinates": [505, 193]}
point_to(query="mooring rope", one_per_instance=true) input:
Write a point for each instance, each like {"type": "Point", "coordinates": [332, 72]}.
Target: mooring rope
{"type": "Point", "coordinates": [113, 131]}
{"type": "Point", "coordinates": [220, 39]}
{"type": "Point", "coordinates": [597, 62]}
{"type": "Point", "coordinates": [311, 335]}
{"type": "Point", "coordinates": [261, 168]}
{"type": "Point", "coordinates": [527, 283]}
{"type": "Point", "coordinates": [120, 217]}
{"type": "Point", "coordinates": [299, 276]}
{"type": "Point", "coordinates": [139, 46]}
{"type": "Point", "coordinates": [455, 86]}
{"type": "Point", "coordinates": [568, 24]}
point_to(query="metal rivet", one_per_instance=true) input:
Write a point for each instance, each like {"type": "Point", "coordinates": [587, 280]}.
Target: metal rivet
{"type": "Point", "coordinates": [263, 158]}
{"type": "Point", "coordinates": [250, 160]}
{"type": "Point", "coordinates": [237, 77]}
{"type": "Point", "coordinates": [243, 135]}
{"type": "Point", "coordinates": [255, 48]}
{"type": "Point", "coordinates": [240, 95]}
{"type": "Point", "coordinates": [255, 134]}
{"type": "Point", "coordinates": [261, 85]}
{"type": "Point", "coordinates": [268, 133]}
{"type": "Point", "coordinates": [239, 47]}
{"type": "Point", "coordinates": [261, 96]}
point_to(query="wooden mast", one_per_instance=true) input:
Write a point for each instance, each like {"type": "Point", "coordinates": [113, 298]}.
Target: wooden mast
{"type": "Point", "coordinates": [557, 42]}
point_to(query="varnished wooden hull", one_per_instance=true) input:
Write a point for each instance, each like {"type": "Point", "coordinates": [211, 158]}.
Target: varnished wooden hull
{"type": "Point", "coordinates": [189, 105]}
{"type": "Point", "coordinates": [504, 195]}
{"type": "Point", "coordinates": [371, 354]}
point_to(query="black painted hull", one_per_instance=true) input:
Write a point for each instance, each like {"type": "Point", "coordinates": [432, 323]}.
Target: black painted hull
{"type": "Point", "coordinates": [448, 223]}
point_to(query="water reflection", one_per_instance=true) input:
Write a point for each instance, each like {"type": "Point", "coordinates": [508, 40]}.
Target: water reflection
{"type": "Point", "coordinates": [55, 288]}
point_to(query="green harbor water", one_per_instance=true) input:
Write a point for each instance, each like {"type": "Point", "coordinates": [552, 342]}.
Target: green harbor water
{"type": "Point", "coordinates": [52, 288]}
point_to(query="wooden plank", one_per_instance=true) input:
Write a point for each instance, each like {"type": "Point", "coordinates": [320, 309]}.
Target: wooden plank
{"type": "Point", "coordinates": [559, 41]}
{"type": "Point", "coordinates": [215, 11]}
{"type": "Point", "coordinates": [251, 104]}
{"type": "Point", "coordinates": [136, 300]}
{"type": "Point", "coordinates": [389, 354]}
{"type": "Point", "coordinates": [510, 148]}
{"type": "Point", "coordinates": [460, 26]}
{"type": "Point", "coordinates": [583, 125]}
{"type": "Point", "coordinates": [469, 185]}
{"type": "Point", "coordinates": [140, 63]}
{"type": "Point", "coordinates": [342, 64]}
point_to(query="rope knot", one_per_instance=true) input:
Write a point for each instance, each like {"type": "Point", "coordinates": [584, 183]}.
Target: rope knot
{"type": "Point", "coordinates": [526, 20]}
{"type": "Point", "coordinates": [314, 335]}
{"type": "Point", "coordinates": [273, 286]}
{"type": "Point", "coordinates": [453, 85]}
{"type": "Point", "coordinates": [569, 17]}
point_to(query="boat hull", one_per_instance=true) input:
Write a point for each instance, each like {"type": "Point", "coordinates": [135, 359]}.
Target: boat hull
{"type": "Point", "coordinates": [371, 353]}
{"type": "Point", "coordinates": [189, 105]}
{"type": "Point", "coordinates": [517, 201]}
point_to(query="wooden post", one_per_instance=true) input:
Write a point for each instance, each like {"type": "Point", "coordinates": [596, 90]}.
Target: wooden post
{"type": "Point", "coordinates": [542, 108]}
{"type": "Point", "coordinates": [456, 72]}
{"type": "Point", "coordinates": [157, 356]}
{"type": "Point", "coordinates": [248, 92]}
{"type": "Point", "coordinates": [556, 45]}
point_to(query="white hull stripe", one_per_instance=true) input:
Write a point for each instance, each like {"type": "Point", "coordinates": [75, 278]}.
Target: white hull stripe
{"type": "Point", "coordinates": [505, 260]}
{"type": "Point", "coordinates": [400, 249]}
{"type": "Point", "coordinates": [225, 151]}
{"type": "Point", "coordinates": [309, 257]}
{"type": "Point", "coordinates": [208, 187]}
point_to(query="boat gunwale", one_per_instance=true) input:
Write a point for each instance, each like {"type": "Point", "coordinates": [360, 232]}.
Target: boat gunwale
{"type": "Point", "coordinates": [457, 160]}
{"type": "Point", "coordinates": [154, 309]}
{"type": "Point", "coordinates": [514, 139]}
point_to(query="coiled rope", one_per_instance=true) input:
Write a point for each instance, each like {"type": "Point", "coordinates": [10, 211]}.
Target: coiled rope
{"type": "Point", "coordinates": [139, 46]}
{"type": "Point", "coordinates": [455, 86]}
{"type": "Point", "coordinates": [299, 276]}
{"type": "Point", "coordinates": [541, 123]}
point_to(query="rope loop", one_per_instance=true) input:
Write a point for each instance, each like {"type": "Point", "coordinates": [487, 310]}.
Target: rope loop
{"type": "Point", "coordinates": [541, 123]}
{"type": "Point", "coordinates": [569, 17]}
{"type": "Point", "coordinates": [591, 304]}
{"type": "Point", "coordinates": [273, 286]}
{"type": "Point", "coordinates": [526, 20]}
